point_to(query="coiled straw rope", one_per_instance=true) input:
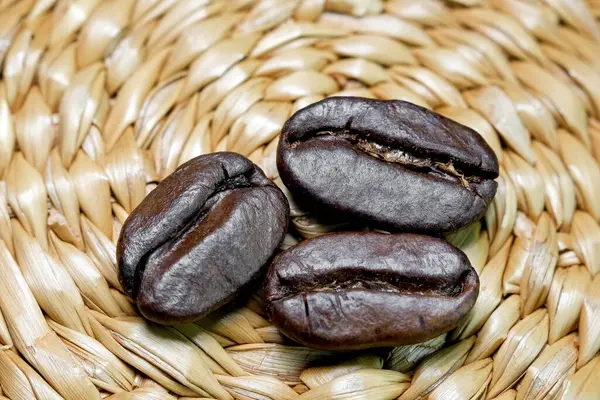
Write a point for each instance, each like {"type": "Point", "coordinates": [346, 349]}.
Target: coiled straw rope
{"type": "Point", "coordinates": [99, 100]}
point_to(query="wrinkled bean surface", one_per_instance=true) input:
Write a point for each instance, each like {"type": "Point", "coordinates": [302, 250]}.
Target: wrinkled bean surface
{"type": "Point", "coordinates": [359, 290]}
{"type": "Point", "coordinates": [200, 237]}
{"type": "Point", "coordinates": [388, 163]}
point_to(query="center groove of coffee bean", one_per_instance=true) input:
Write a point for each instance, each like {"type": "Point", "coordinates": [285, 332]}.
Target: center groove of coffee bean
{"type": "Point", "coordinates": [397, 284]}
{"type": "Point", "coordinates": [240, 181]}
{"type": "Point", "coordinates": [405, 157]}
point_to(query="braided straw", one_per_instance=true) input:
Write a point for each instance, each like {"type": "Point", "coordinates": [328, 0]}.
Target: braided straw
{"type": "Point", "coordinates": [100, 100]}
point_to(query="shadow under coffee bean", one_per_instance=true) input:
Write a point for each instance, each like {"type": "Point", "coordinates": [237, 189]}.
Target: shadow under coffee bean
{"type": "Point", "coordinates": [201, 237]}
{"type": "Point", "coordinates": [390, 164]}
{"type": "Point", "coordinates": [359, 290]}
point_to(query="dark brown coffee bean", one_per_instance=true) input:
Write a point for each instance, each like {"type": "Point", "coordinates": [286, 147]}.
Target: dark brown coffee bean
{"type": "Point", "coordinates": [200, 237]}
{"type": "Point", "coordinates": [389, 163]}
{"type": "Point", "coordinates": [360, 290]}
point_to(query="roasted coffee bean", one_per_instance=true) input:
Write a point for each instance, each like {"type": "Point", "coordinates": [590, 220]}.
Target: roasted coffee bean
{"type": "Point", "coordinates": [201, 237]}
{"type": "Point", "coordinates": [360, 290]}
{"type": "Point", "coordinates": [387, 163]}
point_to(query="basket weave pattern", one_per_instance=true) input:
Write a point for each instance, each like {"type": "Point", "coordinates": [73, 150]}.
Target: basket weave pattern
{"type": "Point", "coordinates": [100, 100]}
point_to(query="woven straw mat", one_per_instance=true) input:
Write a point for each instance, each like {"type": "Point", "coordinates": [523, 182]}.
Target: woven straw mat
{"type": "Point", "coordinates": [99, 100]}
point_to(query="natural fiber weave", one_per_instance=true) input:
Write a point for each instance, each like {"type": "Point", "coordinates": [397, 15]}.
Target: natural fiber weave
{"type": "Point", "coordinates": [99, 100]}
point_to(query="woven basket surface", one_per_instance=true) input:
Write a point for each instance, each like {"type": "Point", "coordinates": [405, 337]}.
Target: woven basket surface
{"type": "Point", "coordinates": [100, 100]}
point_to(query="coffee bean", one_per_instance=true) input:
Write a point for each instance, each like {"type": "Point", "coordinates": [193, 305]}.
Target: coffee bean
{"type": "Point", "coordinates": [201, 237]}
{"type": "Point", "coordinates": [390, 164]}
{"type": "Point", "coordinates": [360, 290]}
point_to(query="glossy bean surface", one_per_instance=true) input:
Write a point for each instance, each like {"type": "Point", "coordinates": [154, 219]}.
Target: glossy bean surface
{"type": "Point", "coordinates": [390, 164]}
{"type": "Point", "coordinates": [201, 237]}
{"type": "Point", "coordinates": [360, 290]}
